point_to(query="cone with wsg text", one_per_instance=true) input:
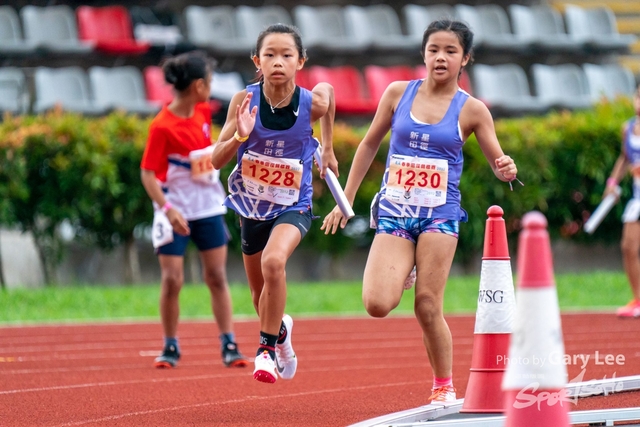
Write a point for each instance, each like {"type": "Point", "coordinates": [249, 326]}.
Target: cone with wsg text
{"type": "Point", "coordinates": [494, 320]}
{"type": "Point", "coordinates": [536, 377]}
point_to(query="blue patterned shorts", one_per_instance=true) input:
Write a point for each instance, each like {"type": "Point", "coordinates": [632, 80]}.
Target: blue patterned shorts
{"type": "Point", "coordinates": [411, 228]}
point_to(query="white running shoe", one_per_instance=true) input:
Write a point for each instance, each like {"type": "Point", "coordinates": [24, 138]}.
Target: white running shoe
{"type": "Point", "coordinates": [265, 368]}
{"type": "Point", "coordinates": [286, 360]}
{"type": "Point", "coordinates": [445, 394]}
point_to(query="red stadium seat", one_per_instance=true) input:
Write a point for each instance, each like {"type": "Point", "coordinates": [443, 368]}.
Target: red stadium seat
{"type": "Point", "coordinates": [158, 90]}
{"type": "Point", "coordinates": [378, 78]}
{"type": "Point", "coordinates": [110, 29]}
{"type": "Point", "coordinates": [464, 82]}
{"type": "Point", "coordinates": [348, 86]}
{"type": "Point", "coordinates": [302, 79]}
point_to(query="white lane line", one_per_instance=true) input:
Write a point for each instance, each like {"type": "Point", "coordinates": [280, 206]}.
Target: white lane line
{"type": "Point", "coordinates": [190, 378]}
{"type": "Point", "coordinates": [233, 401]}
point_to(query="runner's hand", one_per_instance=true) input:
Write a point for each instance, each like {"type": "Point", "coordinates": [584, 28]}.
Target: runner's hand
{"type": "Point", "coordinates": [333, 220]}
{"type": "Point", "coordinates": [179, 224]}
{"type": "Point", "coordinates": [245, 119]}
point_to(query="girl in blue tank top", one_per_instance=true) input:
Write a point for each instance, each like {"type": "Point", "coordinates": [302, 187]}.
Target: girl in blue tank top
{"type": "Point", "coordinates": [417, 211]}
{"type": "Point", "coordinates": [268, 130]}
{"type": "Point", "coordinates": [629, 160]}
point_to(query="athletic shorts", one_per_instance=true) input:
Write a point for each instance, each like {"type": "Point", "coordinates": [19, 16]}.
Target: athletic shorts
{"type": "Point", "coordinates": [255, 234]}
{"type": "Point", "coordinates": [411, 228]}
{"type": "Point", "coordinates": [206, 233]}
{"type": "Point", "coordinates": [631, 211]}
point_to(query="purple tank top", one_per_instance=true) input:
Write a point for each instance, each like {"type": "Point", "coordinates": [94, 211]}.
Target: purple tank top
{"type": "Point", "coordinates": [424, 163]}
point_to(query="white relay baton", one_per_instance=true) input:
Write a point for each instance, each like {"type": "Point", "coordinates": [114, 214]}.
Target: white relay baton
{"type": "Point", "coordinates": [334, 186]}
{"type": "Point", "coordinates": [601, 211]}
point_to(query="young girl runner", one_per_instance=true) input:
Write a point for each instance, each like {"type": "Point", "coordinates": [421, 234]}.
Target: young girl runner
{"type": "Point", "coordinates": [187, 196]}
{"type": "Point", "coordinates": [268, 129]}
{"type": "Point", "coordinates": [417, 211]}
{"type": "Point", "coordinates": [629, 160]}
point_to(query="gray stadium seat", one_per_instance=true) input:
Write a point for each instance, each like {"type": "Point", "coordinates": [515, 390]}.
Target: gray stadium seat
{"type": "Point", "coordinates": [225, 85]}
{"type": "Point", "coordinates": [494, 28]}
{"type": "Point", "coordinates": [11, 40]}
{"type": "Point", "coordinates": [563, 86]}
{"type": "Point", "coordinates": [543, 27]}
{"type": "Point", "coordinates": [252, 20]}
{"type": "Point", "coordinates": [325, 28]}
{"type": "Point", "coordinates": [505, 88]}
{"type": "Point", "coordinates": [67, 87]}
{"type": "Point", "coordinates": [382, 25]}
{"type": "Point", "coordinates": [609, 81]}
{"type": "Point", "coordinates": [120, 88]}
{"type": "Point", "coordinates": [14, 96]}
{"type": "Point", "coordinates": [53, 28]}
{"type": "Point", "coordinates": [417, 18]}
{"type": "Point", "coordinates": [215, 28]}
{"type": "Point", "coordinates": [596, 27]}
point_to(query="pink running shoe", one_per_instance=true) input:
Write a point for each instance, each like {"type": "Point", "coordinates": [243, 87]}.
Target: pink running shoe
{"type": "Point", "coordinates": [630, 310]}
{"type": "Point", "coordinates": [444, 394]}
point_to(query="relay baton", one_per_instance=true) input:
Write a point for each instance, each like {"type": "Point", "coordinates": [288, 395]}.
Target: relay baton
{"type": "Point", "coordinates": [334, 186]}
{"type": "Point", "coordinates": [601, 211]}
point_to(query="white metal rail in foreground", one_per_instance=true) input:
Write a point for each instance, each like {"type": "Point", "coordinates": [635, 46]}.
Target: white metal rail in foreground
{"type": "Point", "coordinates": [429, 415]}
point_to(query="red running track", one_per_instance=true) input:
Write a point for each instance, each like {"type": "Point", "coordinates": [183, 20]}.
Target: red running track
{"type": "Point", "coordinates": [350, 370]}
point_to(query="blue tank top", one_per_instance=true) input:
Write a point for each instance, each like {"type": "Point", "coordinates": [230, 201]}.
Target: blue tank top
{"type": "Point", "coordinates": [420, 146]}
{"type": "Point", "coordinates": [265, 152]}
{"type": "Point", "coordinates": [632, 149]}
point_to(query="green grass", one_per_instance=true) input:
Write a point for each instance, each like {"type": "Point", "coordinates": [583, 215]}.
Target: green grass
{"type": "Point", "coordinates": [589, 291]}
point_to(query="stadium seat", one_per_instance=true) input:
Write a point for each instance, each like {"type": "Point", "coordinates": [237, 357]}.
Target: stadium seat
{"type": "Point", "coordinates": [67, 87]}
{"type": "Point", "coordinates": [562, 86]}
{"type": "Point", "coordinates": [302, 78]}
{"type": "Point", "coordinates": [225, 85]}
{"type": "Point", "coordinates": [348, 86]}
{"type": "Point", "coordinates": [325, 28]}
{"type": "Point", "coordinates": [252, 20]}
{"type": "Point", "coordinates": [491, 28]}
{"type": "Point", "coordinates": [377, 78]}
{"type": "Point", "coordinates": [120, 88]}
{"type": "Point", "coordinates": [596, 27]}
{"type": "Point", "coordinates": [542, 27]}
{"type": "Point", "coordinates": [215, 28]}
{"type": "Point", "coordinates": [110, 28]}
{"type": "Point", "coordinates": [505, 89]}
{"type": "Point", "coordinates": [158, 28]}
{"type": "Point", "coordinates": [417, 18]}
{"type": "Point", "coordinates": [53, 28]}
{"type": "Point", "coordinates": [381, 24]}
{"type": "Point", "coordinates": [14, 96]}
{"type": "Point", "coordinates": [158, 90]}
{"type": "Point", "coordinates": [11, 41]}
{"type": "Point", "coordinates": [609, 81]}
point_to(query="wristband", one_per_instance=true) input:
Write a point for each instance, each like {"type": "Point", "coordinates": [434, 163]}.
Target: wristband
{"type": "Point", "coordinates": [240, 138]}
{"type": "Point", "coordinates": [165, 208]}
{"type": "Point", "coordinates": [612, 182]}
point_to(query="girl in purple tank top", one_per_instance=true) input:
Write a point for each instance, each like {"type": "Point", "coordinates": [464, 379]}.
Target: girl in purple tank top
{"type": "Point", "coordinates": [418, 206]}
{"type": "Point", "coordinates": [629, 160]}
{"type": "Point", "coordinates": [268, 130]}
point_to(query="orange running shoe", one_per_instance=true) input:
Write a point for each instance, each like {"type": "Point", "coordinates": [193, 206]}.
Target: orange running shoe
{"type": "Point", "coordinates": [630, 310]}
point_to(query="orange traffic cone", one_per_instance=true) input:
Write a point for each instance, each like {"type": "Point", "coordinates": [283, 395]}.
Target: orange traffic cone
{"type": "Point", "coordinates": [536, 376]}
{"type": "Point", "coordinates": [494, 320]}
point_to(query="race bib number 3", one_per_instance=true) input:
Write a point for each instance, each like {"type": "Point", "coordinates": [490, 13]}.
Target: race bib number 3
{"type": "Point", "coordinates": [202, 169]}
{"type": "Point", "coordinates": [417, 181]}
{"type": "Point", "coordinates": [273, 179]}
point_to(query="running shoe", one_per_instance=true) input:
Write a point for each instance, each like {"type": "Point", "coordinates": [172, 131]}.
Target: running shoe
{"type": "Point", "coordinates": [286, 360]}
{"type": "Point", "coordinates": [232, 358]}
{"type": "Point", "coordinates": [630, 310]}
{"type": "Point", "coordinates": [444, 394]}
{"type": "Point", "coordinates": [265, 368]}
{"type": "Point", "coordinates": [410, 280]}
{"type": "Point", "coordinates": [168, 359]}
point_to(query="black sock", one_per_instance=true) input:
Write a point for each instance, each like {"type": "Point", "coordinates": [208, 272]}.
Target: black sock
{"type": "Point", "coordinates": [267, 343]}
{"type": "Point", "coordinates": [283, 333]}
